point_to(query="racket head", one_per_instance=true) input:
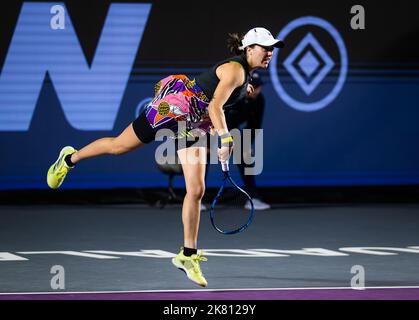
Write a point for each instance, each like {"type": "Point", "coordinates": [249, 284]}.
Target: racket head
{"type": "Point", "coordinates": [229, 206]}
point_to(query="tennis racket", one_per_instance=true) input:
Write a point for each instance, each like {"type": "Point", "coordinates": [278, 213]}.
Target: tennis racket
{"type": "Point", "coordinates": [232, 208]}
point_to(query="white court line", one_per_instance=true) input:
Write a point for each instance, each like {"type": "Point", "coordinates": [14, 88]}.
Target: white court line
{"type": "Point", "coordinates": [207, 290]}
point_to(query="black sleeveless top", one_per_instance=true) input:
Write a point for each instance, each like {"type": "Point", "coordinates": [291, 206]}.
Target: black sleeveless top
{"type": "Point", "coordinates": [208, 81]}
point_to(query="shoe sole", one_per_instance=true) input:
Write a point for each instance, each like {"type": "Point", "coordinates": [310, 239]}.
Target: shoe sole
{"type": "Point", "coordinates": [180, 267]}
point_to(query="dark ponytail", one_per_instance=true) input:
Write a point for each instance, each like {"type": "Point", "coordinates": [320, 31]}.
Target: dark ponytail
{"type": "Point", "coordinates": [234, 41]}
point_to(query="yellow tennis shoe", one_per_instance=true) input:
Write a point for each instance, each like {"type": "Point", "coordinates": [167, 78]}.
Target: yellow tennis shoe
{"type": "Point", "coordinates": [59, 169]}
{"type": "Point", "coordinates": [190, 265]}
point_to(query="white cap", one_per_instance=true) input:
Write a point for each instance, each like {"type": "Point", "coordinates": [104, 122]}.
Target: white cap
{"type": "Point", "coordinates": [262, 37]}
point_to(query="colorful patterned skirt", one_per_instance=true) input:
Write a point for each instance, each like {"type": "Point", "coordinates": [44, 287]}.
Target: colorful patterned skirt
{"type": "Point", "coordinates": [179, 104]}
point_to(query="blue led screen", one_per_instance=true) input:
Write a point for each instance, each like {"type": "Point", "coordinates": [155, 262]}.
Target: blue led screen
{"type": "Point", "coordinates": [342, 105]}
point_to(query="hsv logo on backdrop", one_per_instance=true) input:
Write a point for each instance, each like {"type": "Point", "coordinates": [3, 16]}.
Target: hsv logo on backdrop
{"type": "Point", "coordinates": [314, 64]}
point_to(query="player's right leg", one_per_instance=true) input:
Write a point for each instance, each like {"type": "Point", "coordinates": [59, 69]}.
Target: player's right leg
{"type": "Point", "coordinates": [134, 136]}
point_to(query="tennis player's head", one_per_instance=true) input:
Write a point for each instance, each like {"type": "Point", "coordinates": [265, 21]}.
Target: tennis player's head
{"type": "Point", "coordinates": [257, 45]}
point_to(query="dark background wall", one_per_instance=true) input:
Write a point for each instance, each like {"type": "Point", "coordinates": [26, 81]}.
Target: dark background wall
{"type": "Point", "coordinates": [368, 135]}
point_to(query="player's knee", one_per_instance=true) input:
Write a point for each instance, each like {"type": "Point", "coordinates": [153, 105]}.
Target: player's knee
{"type": "Point", "coordinates": [197, 191]}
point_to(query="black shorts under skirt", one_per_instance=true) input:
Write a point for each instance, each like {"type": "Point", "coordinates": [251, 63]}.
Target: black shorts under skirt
{"type": "Point", "coordinates": [146, 134]}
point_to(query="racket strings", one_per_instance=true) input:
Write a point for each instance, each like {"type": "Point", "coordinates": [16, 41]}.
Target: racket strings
{"type": "Point", "coordinates": [232, 196]}
{"type": "Point", "coordinates": [230, 211]}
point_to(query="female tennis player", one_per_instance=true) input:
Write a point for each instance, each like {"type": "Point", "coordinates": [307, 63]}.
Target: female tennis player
{"type": "Point", "coordinates": [199, 105]}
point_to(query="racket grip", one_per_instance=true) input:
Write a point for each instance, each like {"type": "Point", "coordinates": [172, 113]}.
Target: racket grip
{"type": "Point", "coordinates": [224, 166]}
